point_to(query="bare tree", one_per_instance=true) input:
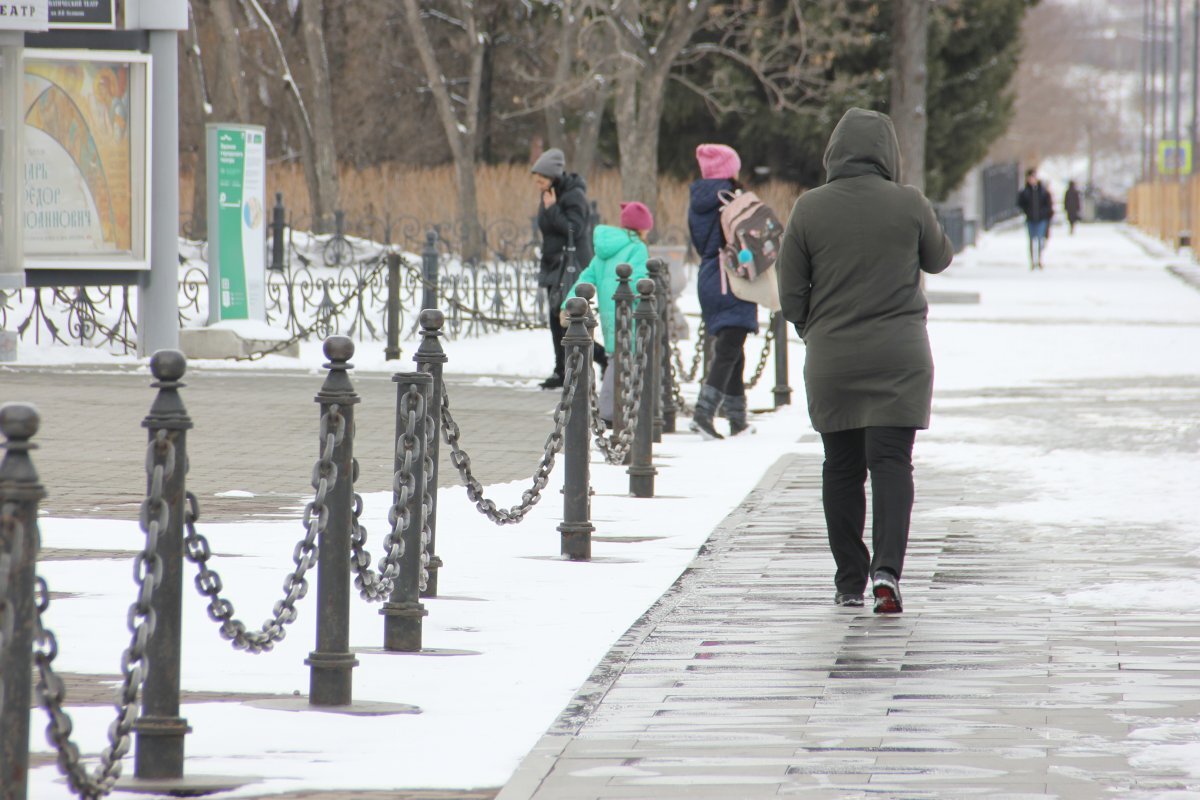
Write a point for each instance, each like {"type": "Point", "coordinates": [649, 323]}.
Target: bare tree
{"type": "Point", "coordinates": [910, 48]}
{"type": "Point", "coordinates": [320, 91]}
{"type": "Point", "coordinates": [461, 127]}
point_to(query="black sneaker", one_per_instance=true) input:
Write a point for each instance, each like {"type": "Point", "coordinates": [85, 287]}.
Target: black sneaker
{"type": "Point", "coordinates": [704, 427]}
{"type": "Point", "coordinates": [848, 599]}
{"type": "Point", "coordinates": [886, 588]}
{"type": "Point", "coordinates": [555, 381]}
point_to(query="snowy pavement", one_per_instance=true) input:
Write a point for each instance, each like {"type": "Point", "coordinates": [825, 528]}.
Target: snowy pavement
{"type": "Point", "coordinates": [1066, 421]}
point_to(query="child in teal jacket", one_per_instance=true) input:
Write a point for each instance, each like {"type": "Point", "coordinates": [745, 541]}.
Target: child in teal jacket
{"type": "Point", "coordinates": [613, 246]}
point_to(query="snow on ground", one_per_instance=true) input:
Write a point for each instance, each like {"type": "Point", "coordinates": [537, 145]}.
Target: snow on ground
{"type": "Point", "coordinates": [1104, 309]}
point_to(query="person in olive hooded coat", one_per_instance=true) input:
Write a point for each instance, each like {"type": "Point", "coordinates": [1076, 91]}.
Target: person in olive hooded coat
{"type": "Point", "coordinates": [849, 273]}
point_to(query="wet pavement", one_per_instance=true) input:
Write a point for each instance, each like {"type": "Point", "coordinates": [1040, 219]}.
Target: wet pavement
{"type": "Point", "coordinates": [745, 681]}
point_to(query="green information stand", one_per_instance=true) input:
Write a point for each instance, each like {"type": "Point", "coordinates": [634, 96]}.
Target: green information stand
{"type": "Point", "coordinates": [236, 216]}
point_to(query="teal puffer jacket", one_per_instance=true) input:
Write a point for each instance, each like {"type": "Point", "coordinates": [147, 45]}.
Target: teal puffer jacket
{"type": "Point", "coordinates": [612, 246]}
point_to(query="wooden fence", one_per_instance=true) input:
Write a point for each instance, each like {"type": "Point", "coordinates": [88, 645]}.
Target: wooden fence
{"type": "Point", "coordinates": [1167, 209]}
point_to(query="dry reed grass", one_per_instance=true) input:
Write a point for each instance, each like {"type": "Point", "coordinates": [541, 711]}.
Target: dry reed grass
{"type": "Point", "coordinates": [505, 192]}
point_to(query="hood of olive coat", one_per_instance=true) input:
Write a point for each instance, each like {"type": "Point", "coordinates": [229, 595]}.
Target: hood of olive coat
{"type": "Point", "coordinates": [863, 143]}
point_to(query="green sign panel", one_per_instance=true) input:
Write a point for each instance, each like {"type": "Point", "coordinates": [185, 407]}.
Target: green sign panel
{"type": "Point", "coordinates": [237, 183]}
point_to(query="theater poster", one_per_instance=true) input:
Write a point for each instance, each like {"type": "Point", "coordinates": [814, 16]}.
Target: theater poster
{"type": "Point", "coordinates": [86, 169]}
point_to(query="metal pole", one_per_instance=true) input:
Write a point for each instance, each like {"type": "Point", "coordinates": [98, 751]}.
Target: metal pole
{"type": "Point", "coordinates": [330, 681]}
{"type": "Point", "coordinates": [783, 389]}
{"type": "Point", "coordinates": [623, 298]}
{"type": "Point", "coordinates": [20, 492]}
{"type": "Point", "coordinates": [1145, 99]}
{"type": "Point", "coordinates": [575, 531]}
{"type": "Point", "coordinates": [431, 358]}
{"type": "Point", "coordinates": [403, 612]}
{"type": "Point", "coordinates": [641, 471]}
{"type": "Point", "coordinates": [278, 223]}
{"type": "Point", "coordinates": [587, 291]}
{"type": "Point", "coordinates": [392, 351]}
{"type": "Point", "coordinates": [429, 270]}
{"type": "Point", "coordinates": [653, 268]}
{"type": "Point", "coordinates": [158, 287]}
{"type": "Point", "coordinates": [666, 368]}
{"type": "Point", "coordinates": [158, 752]}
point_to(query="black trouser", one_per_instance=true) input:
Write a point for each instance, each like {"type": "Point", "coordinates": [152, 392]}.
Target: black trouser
{"type": "Point", "coordinates": [728, 362]}
{"type": "Point", "coordinates": [887, 454]}
{"type": "Point", "coordinates": [558, 331]}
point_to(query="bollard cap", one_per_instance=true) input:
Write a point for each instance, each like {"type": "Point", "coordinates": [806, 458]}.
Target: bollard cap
{"type": "Point", "coordinates": [646, 286]}
{"type": "Point", "coordinates": [432, 319]}
{"type": "Point", "coordinates": [339, 348]}
{"type": "Point", "coordinates": [577, 307]}
{"type": "Point", "coordinates": [168, 365]}
{"type": "Point", "coordinates": [624, 271]}
{"type": "Point", "coordinates": [585, 290]}
{"type": "Point", "coordinates": [19, 421]}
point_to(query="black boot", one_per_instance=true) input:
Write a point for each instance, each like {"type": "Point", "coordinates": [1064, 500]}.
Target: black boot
{"type": "Point", "coordinates": [735, 410]}
{"type": "Point", "coordinates": [706, 407]}
{"type": "Point", "coordinates": [555, 381]}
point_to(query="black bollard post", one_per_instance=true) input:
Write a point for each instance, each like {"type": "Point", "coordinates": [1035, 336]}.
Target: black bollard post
{"type": "Point", "coordinates": [576, 528]}
{"type": "Point", "coordinates": [431, 358]}
{"type": "Point", "coordinates": [158, 752]}
{"type": "Point", "coordinates": [429, 270]}
{"type": "Point", "coordinates": [666, 374]}
{"type": "Point", "coordinates": [277, 225]}
{"type": "Point", "coordinates": [623, 297]}
{"type": "Point", "coordinates": [782, 391]}
{"type": "Point", "coordinates": [20, 492]}
{"type": "Point", "coordinates": [641, 471]}
{"type": "Point", "coordinates": [330, 666]}
{"type": "Point", "coordinates": [654, 268]}
{"type": "Point", "coordinates": [403, 612]}
{"type": "Point", "coordinates": [392, 351]}
{"type": "Point", "coordinates": [588, 291]}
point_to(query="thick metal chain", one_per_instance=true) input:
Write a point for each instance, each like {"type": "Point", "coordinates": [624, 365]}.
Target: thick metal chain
{"type": "Point", "coordinates": [15, 534]}
{"type": "Point", "coordinates": [304, 556]}
{"type": "Point", "coordinates": [541, 476]}
{"type": "Point", "coordinates": [377, 586]}
{"type": "Point", "coordinates": [762, 358]}
{"type": "Point", "coordinates": [427, 502]}
{"type": "Point", "coordinates": [688, 375]}
{"type": "Point", "coordinates": [614, 452]}
{"type": "Point", "coordinates": [147, 574]}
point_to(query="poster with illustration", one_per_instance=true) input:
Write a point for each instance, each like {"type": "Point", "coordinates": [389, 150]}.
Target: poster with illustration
{"type": "Point", "coordinates": [85, 159]}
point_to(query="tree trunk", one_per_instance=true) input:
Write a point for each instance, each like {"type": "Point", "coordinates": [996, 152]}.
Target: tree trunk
{"type": "Point", "coordinates": [327, 198]}
{"type": "Point", "coordinates": [192, 68]}
{"type": "Point", "coordinates": [587, 138]}
{"type": "Point", "coordinates": [639, 112]}
{"type": "Point", "coordinates": [910, 38]}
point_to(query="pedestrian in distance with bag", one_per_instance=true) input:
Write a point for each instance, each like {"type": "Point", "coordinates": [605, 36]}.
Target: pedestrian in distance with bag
{"type": "Point", "coordinates": [563, 220]}
{"type": "Point", "coordinates": [614, 246]}
{"type": "Point", "coordinates": [849, 273]}
{"type": "Point", "coordinates": [727, 318]}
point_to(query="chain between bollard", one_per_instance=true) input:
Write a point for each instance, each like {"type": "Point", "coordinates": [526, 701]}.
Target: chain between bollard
{"type": "Point", "coordinates": [15, 533]}
{"type": "Point", "coordinates": [147, 573]}
{"type": "Point", "coordinates": [761, 368]}
{"type": "Point", "coordinates": [614, 452]}
{"type": "Point", "coordinates": [304, 555]}
{"type": "Point", "coordinates": [691, 374]}
{"type": "Point", "coordinates": [554, 444]}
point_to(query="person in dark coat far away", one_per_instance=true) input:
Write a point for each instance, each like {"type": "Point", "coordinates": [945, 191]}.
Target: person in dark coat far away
{"type": "Point", "coordinates": [1073, 205]}
{"type": "Point", "coordinates": [562, 217]}
{"type": "Point", "coordinates": [1034, 200]}
{"type": "Point", "coordinates": [849, 273]}
{"type": "Point", "coordinates": [726, 317]}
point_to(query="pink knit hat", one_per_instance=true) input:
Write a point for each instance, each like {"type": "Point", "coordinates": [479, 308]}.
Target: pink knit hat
{"type": "Point", "coordinates": [718, 161]}
{"type": "Point", "coordinates": [636, 217]}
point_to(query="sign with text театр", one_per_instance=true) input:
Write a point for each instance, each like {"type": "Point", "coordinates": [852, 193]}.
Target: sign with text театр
{"type": "Point", "coordinates": [237, 243]}
{"type": "Point", "coordinates": [26, 15]}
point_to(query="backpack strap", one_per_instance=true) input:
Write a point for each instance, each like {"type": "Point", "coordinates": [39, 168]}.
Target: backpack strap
{"type": "Point", "coordinates": [726, 196]}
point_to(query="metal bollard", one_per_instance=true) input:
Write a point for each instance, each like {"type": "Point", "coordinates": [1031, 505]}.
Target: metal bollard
{"type": "Point", "coordinates": [576, 528]}
{"type": "Point", "coordinates": [20, 492]}
{"type": "Point", "coordinates": [330, 681]}
{"type": "Point", "coordinates": [392, 351]}
{"type": "Point", "coordinates": [782, 391]}
{"type": "Point", "coordinates": [158, 751]}
{"type": "Point", "coordinates": [403, 612]}
{"type": "Point", "coordinates": [654, 268]}
{"type": "Point", "coordinates": [429, 271]}
{"type": "Point", "coordinates": [588, 291]}
{"type": "Point", "coordinates": [431, 358]}
{"type": "Point", "coordinates": [641, 471]}
{"type": "Point", "coordinates": [623, 297]}
{"type": "Point", "coordinates": [277, 225]}
{"type": "Point", "coordinates": [666, 374]}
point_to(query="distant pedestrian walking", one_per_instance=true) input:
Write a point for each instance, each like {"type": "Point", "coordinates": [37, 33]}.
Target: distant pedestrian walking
{"type": "Point", "coordinates": [1072, 205]}
{"type": "Point", "coordinates": [849, 274]}
{"type": "Point", "coordinates": [726, 317]}
{"type": "Point", "coordinates": [1034, 200]}
{"type": "Point", "coordinates": [613, 246]}
{"type": "Point", "coordinates": [562, 219]}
